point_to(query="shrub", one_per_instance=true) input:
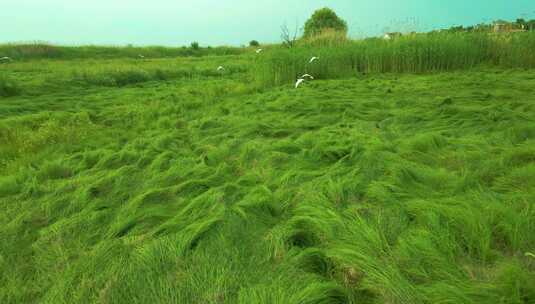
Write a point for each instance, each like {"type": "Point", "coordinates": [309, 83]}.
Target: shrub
{"type": "Point", "coordinates": [254, 43]}
{"type": "Point", "coordinates": [195, 45]}
{"type": "Point", "coordinates": [323, 19]}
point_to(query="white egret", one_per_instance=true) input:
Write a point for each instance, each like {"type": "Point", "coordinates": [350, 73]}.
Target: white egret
{"type": "Point", "coordinates": [259, 51]}
{"type": "Point", "coordinates": [298, 82]}
{"type": "Point", "coordinates": [141, 56]}
{"type": "Point", "coordinates": [220, 68]}
{"type": "Point", "coordinates": [5, 59]}
{"type": "Point", "coordinates": [307, 76]}
{"type": "Point", "coordinates": [313, 59]}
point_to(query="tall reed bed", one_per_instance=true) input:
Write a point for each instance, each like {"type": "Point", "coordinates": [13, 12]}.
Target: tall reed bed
{"type": "Point", "coordinates": [434, 52]}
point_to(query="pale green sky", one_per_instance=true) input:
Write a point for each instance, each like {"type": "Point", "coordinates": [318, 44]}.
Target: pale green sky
{"type": "Point", "coordinates": [229, 22]}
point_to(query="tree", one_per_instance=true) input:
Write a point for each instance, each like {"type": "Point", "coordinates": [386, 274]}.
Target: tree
{"type": "Point", "coordinates": [195, 45]}
{"type": "Point", "coordinates": [521, 23]}
{"type": "Point", "coordinates": [323, 19]}
{"type": "Point", "coordinates": [289, 39]}
{"type": "Point", "coordinates": [456, 29]}
{"type": "Point", "coordinates": [254, 43]}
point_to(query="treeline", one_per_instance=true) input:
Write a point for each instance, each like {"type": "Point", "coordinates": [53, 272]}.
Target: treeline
{"type": "Point", "coordinates": [41, 50]}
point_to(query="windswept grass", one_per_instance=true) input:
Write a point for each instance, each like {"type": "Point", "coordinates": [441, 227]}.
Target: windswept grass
{"type": "Point", "coordinates": [8, 87]}
{"type": "Point", "coordinates": [35, 77]}
{"type": "Point", "coordinates": [165, 181]}
{"type": "Point", "coordinates": [123, 74]}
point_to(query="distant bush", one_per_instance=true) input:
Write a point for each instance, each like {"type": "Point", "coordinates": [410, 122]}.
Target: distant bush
{"type": "Point", "coordinates": [323, 19]}
{"type": "Point", "coordinates": [195, 45]}
{"type": "Point", "coordinates": [254, 43]}
{"type": "Point", "coordinates": [8, 87]}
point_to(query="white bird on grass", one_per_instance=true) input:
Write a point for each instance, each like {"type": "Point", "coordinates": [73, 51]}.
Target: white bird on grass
{"type": "Point", "coordinates": [313, 59]}
{"type": "Point", "coordinates": [259, 51]}
{"type": "Point", "coordinates": [307, 76]}
{"type": "Point", "coordinates": [298, 82]}
{"type": "Point", "coordinates": [140, 56]}
{"type": "Point", "coordinates": [5, 59]}
{"type": "Point", "coordinates": [220, 68]}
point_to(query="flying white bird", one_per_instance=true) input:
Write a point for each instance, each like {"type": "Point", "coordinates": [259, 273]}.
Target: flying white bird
{"type": "Point", "coordinates": [307, 76]}
{"type": "Point", "coordinates": [313, 59]}
{"type": "Point", "coordinates": [299, 81]}
{"type": "Point", "coordinates": [220, 68]}
{"type": "Point", "coordinates": [5, 59]}
{"type": "Point", "coordinates": [141, 56]}
{"type": "Point", "coordinates": [259, 51]}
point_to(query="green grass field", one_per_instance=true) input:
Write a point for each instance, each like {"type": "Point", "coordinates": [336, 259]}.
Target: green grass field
{"type": "Point", "coordinates": [165, 181]}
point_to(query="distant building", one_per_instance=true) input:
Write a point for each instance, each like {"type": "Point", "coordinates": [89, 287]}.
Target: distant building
{"type": "Point", "coordinates": [507, 27]}
{"type": "Point", "coordinates": [389, 36]}
{"type": "Point", "coordinates": [500, 27]}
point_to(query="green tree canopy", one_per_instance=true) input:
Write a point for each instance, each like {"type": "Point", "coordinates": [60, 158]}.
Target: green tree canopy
{"type": "Point", "coordinates": [323, 19]}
